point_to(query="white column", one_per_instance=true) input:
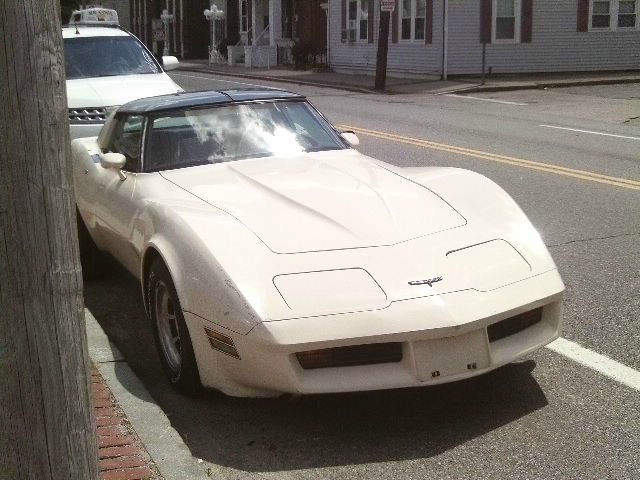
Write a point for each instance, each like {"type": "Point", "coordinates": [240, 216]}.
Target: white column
{"type": "Point", "coordinates": [173, 27]}
{"type": "Point", "coordinates": [275, 21]}
{"type": "Point", "coordinates": [325, 6]}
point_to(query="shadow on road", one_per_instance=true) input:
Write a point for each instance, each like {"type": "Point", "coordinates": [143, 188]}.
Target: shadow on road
{"type": "Point", "coordinates": [314, 431]}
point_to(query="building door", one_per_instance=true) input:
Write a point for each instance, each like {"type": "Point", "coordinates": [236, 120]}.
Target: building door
{"type": "Point", "coordinates": [311, 24]}
{"type": "Point", "coordinates": [287, 18]}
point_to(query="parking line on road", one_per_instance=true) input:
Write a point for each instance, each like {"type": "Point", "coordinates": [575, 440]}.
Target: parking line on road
{"type": "Point", "coordinates": [492, 100]}
{"type": "Point", "coordinates": [595, 361]}
{"type": "Point", "coordinates": [223, 81]}
{"type": "Point", "coordinates": [591, 132]}
{"type": "Point", "coordinates": [519, 162]}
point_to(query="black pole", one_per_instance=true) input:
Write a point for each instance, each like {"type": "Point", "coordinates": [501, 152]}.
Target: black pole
{"type": "Point", "coordinates": [484, 61]}
{"type": "Point", "coordinates": [383, 47]}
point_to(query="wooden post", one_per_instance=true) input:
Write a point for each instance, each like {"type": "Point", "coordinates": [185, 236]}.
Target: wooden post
{"type": "Point", "coordinates": [383, 47]}
{"type": "Point", "coordinates": [47, 428]}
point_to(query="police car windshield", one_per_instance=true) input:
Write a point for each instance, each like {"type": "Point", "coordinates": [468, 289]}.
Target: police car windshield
{"type": "Point", "coordinates": [88, 57]}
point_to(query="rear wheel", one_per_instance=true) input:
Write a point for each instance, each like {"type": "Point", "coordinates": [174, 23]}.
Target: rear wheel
{"type": "Point", "coordinates": [170, 330]}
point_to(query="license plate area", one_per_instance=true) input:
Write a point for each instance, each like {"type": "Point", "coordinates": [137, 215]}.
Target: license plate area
{"type": "Point", "coordinates": [451, 356]}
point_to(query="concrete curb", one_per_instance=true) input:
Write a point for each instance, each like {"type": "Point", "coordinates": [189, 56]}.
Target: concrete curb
{"type": "Point", "coordinates": [349, 88]}
{"type": "Point", "coordinates": [162, 442]}
{"type": "Point", "coordinates": [462, 89]}
{"type": "Point", "coordinates": [539, 85]}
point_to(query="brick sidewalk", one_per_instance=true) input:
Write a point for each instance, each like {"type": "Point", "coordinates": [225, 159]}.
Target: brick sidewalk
{"type": "Point", "coordinates": [121, 455]}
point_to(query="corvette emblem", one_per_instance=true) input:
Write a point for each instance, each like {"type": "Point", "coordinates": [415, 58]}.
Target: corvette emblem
{"type": "Point", "coordinates": [429, 281]}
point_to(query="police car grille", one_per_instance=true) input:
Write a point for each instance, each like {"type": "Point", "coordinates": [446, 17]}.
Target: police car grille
{"type": "Point", "coordinates": [88, 115]}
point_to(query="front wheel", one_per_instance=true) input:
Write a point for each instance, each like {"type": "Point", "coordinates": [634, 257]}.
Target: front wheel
{"type": "Point", "coordinates": [170, 331]}
{"type": "Point", "coordinates": [93, 261]}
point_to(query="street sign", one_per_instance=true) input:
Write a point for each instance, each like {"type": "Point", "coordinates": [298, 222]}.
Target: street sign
{"type": "Point", "coordinates": [387, 5]}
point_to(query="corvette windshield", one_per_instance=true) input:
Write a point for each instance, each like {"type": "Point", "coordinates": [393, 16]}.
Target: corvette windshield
{"type": "Point", "coordinates": [214, 135]}
{"type": "Point", "coordinates": [89, 57]}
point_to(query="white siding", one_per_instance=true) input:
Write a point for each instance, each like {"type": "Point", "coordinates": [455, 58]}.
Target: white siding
{"type": "Point", "coordinates": [415, 58]}
{"type": "Point", "coordinates": [556, 45]}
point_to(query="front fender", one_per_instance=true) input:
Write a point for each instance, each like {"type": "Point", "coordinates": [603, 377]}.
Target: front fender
{"type": "Point", "coordinates": [203, 285]}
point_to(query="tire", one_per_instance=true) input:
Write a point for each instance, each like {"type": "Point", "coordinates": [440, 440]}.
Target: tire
{"type": "Point", "coordinates": [93, 260]}
{"type": "Point", "coordinates": [170, 331]}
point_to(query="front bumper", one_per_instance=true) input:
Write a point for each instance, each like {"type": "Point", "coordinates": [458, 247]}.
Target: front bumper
{"type": "Point", "coordinates": [442, 337]}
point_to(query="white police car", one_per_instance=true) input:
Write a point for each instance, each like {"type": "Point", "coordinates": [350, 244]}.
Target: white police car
{"type": "Point", "coordinates": [107, 67]}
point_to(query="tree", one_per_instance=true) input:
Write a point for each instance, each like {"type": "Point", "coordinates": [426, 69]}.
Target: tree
{"type": "Point", "coordinates": [47, 428]}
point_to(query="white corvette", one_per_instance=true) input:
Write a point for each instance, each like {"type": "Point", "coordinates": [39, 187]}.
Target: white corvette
{"type": "Point", "coordinates": [274, 258]}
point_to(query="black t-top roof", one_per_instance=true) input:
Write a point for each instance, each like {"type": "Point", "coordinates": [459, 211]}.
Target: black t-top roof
{"type": "Point", "coordinates": [186, 100]}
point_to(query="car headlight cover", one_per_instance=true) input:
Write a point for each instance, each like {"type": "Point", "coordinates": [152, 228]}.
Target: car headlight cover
{"type": "Point", "coordinates": [330, 291]}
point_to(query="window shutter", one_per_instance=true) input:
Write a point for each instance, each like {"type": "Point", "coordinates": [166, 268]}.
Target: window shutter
{"type": "Point", "coordinates": [526, 28]}
{"type": "Point", "coordinates": [370, 20]}
{"type": "Point", "coordinates": [428, 28]}
{"type": "Point", "coordinates": [486, 19]}
{"type": "Point", "coordinates": [343, 35]}
{"type": "Point", "coordinates": [394, 24]}
{"type": "Point", "coordinates": [249, 21]}
{"type": "Point", "coordinates": [583, 15]}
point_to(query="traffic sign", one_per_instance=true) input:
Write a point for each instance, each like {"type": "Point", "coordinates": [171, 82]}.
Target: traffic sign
{"type": "Point", "coordinates": [387, 5]}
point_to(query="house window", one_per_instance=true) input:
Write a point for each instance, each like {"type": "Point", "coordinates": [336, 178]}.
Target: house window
{"type": "Point", "coordinates": [601, 14]}
{"type": "Point", "coordinates": [627, 13]}
{"type": "Point", "coordinates": [364, 19]}
{"type": "Point", "coordinates": [358, 19]}
{"type": "Point", "coordinates": [613, 14]}
{"type": "Point", "coordinates": [244, 16]}
{"type": "Point", "coordinates": [506, 20]}
{"type": "Point", "coordinates": [413, 19]}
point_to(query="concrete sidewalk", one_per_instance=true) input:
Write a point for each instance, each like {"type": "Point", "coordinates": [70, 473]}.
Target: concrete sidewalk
{"type": "Point", "coordinates": [149, 447]}
{"type": "Point", "coordinates": [429, 85]}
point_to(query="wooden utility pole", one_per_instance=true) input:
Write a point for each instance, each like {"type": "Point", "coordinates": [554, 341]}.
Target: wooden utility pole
{"type": "Point", "coordinates": [47, 429]}
{"type": "Point", "coordinates": [383, 47]}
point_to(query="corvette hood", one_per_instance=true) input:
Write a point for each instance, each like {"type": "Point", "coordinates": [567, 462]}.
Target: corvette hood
{"type": "Point", "coordinates": [116, 90]}
{"type": "Point", "coordinates": [319, 201]}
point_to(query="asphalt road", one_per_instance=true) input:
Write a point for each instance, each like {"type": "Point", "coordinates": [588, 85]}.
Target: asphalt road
{"type": "Point", "coordinates": [544, 417]}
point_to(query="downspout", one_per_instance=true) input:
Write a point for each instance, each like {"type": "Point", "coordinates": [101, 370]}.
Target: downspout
{"type": "Point", "coordinates": [328, 34]}
{"type": "Point", "coordinates": [181, 30]}
{"type": "Point", "coordinates": [445, 38]}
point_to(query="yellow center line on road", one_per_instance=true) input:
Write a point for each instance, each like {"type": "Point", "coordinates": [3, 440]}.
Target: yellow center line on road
{"type": "Point", "coordinates": [520, 162]}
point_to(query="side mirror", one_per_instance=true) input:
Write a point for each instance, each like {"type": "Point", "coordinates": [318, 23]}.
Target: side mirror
{"type": "Point", "coordinates": [170, 62]}
{"type": "Point", "coordinates": [351, 138]}
{"type": "Point", "coordinates": [114, 161]}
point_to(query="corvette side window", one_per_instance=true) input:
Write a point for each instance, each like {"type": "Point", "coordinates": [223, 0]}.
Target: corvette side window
{"type": "Point", "coordinates": [126, 140]}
